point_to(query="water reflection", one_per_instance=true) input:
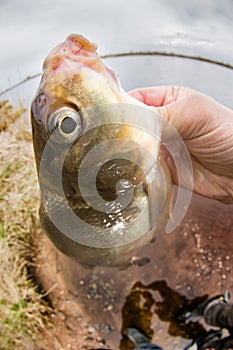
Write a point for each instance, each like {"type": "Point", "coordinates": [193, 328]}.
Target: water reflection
{"type": "Point", "coordinates": [158, 298]}
{"type": "Point", "coordinates": [185, 267]}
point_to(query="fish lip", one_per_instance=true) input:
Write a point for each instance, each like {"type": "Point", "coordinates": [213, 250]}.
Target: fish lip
{"type": "Point", "coordinates": [74, 48]}
{"type": "Point", "coordinates": [73, 44]}
{"type": "Point", "coordinates": [81, 41]}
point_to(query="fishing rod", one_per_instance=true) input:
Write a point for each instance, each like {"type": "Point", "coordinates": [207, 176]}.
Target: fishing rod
{"type": "Point", "coordinates": [135, 53]}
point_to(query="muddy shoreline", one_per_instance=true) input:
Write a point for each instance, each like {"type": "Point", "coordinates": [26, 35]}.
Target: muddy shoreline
{"type": "Point", "coordinates": [192, 262]}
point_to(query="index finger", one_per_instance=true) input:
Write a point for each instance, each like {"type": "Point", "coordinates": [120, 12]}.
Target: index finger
{"type": "Point", "coordinates": [159, 96]}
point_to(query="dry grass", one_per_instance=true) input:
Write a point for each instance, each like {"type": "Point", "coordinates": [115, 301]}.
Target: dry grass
{"type": "Point", "coordinates": [22, 309]}
{"type": "Point", "coordinates": [8, 115]}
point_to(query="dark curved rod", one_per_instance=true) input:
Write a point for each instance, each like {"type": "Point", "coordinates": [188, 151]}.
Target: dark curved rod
{"type": "Point", "coordinates": [136, 53]}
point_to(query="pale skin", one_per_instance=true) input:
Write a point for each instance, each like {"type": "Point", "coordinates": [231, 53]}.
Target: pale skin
{"type": "Point", "coordinates": [206, 127]}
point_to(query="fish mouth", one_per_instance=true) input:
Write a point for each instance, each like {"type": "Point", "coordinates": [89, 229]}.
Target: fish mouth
{"type": "Point", "coordinates": [75, 48]}
{"type": "Point", "coordinates": [76, 42]}
{"type": "Point", "coordinates": [77, 54]}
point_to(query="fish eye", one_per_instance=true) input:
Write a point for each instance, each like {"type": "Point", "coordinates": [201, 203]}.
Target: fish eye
{"type": "Point", "coordinates": [66, 123]}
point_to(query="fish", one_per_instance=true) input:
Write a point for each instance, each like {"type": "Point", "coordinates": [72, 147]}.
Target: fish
{"type": "Point", "coordinates": [105, 189]}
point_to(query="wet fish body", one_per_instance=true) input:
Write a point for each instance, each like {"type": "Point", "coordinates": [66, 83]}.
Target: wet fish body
{"type": "Point", "coordinates": [92, 156]}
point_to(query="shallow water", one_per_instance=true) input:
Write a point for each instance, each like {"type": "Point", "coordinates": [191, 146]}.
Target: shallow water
{"type": "Point", "coordinates": [187, 266]}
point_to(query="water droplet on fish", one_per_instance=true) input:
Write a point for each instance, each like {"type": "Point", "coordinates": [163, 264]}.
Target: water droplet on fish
{"type": "Point", "coordinates": [123, 186]}
{"type": "Point", "coordinates": [119, 228]}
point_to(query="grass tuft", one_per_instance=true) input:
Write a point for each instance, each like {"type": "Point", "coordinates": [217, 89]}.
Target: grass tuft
{"type": "Point", "coordinates": [23, 312]}
{"type": "Point", "coordinates": [8, 115]}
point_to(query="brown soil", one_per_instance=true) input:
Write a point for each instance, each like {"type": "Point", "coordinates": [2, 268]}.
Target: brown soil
{"type": "Point", "coordinates": [93, 307]}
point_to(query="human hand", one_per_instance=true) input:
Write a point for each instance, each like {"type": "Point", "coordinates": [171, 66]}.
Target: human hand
{"type": "Point", "coordinates": [206, 127]}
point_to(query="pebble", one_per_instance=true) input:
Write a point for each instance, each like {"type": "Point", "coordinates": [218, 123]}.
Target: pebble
{"type": "Point", "coordinates": [97, 327]}
{"type": "Point", "coordinates": [91, 330]}
{"type": "Point", "coordinates": [90, 339]}
{"type": "Point", "coordinates": [101, 341]}
{"type": "Point", "coordinates": [108, 328]}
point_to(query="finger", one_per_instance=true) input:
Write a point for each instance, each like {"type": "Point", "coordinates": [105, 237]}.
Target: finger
{"type": "Point", "coordinates": [158, 96]}
{"type": "Point", "coordinates": [168, 101]}
{"type": "Point", "coordinates": [151, 96]}
{"type": "Point", "coordinates": [183, 107]}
